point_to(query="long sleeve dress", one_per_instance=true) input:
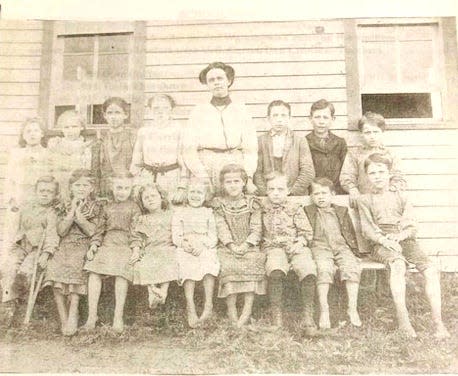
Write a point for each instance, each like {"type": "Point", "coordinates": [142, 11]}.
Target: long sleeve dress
{"type": "Point", "coordinates": [197, 227]}
{"type": "Point", "coordinates": [239, 221]}
{"type": "Point", "coordinates": [115, 238]}
{"type": "Point", "coordinates": [158, 264]}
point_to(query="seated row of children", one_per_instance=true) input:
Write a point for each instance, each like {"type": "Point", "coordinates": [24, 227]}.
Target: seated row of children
{"type": "Point", "coordinates": [136, 238]}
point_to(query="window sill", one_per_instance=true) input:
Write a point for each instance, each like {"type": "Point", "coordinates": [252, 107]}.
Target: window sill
{"type": "Point", "coordinates": [406, 124]}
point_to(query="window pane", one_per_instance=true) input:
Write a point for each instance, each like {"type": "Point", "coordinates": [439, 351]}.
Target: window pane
{"type": "Point", "coordinates": [113, 66]}
{"type": "Point", "coordinates": [97, 115]}
{"type": "Point", "coordinates": [379, 63]}
{"type": "Point", "coordinates": [78, 44]}
{"type": "Point", "coordinates": [59, 110]}
{"type": "Point", "coordinates": [71, 64]}
{"type": "Point", "coordinates": [399, 106]}
{"type": "Point", "coordinates": [415, 32]}
{"type": "Point", "coordinates": [417, 62]}
{"type": "Point", "coordinates": [377, 33]}
{"type": "Point", "coordinates": [114, 43]}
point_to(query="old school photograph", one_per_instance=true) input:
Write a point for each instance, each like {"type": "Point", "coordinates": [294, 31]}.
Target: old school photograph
{"type": "Point", "coordinates": [222, 195]}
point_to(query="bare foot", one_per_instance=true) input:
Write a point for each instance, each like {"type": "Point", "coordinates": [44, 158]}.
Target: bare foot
{"type": "Point", "coordinates": [193, 321]}
{"type": "Point", "coordinates": [90, 325]}
{"type": "Point", "coordinates": [354, 318]}
{"type": "Point", "coordinates": [118, 326]}
{"type": "Point", "coordinates": [407, 330]}
{"type": "Point", "coordinates": [441, 331]}
{"type": "Point", "coordinates": [206, 314]}
{"type": "Point", "coordinates": [243, 320]}
{"type": "Point", "coordinates": [324, 322]}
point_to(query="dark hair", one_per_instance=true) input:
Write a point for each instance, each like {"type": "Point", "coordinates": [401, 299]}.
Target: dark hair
{"type": "Point", "coordinates": [278, 103]}
{"type": "Point", "coordinates": [324, 182]}
{"type": "Point", "coordinates": [377, 158]}
{"type": "Point", "coordinates": [230, 73]}
{"type": "Point", "coordinates": [165, 204]}
{"type": "Point", "coordinates": [372, 118]}
{"type": "Point", "coordinates": [48, 179]}
{"type": "Point", "coordinates": [161, 95]}
{"type": "Point", "coordinates": [22, 143]}
{"type": "Point", "coordinates": [274, 175]}
{"type": "Point", "coordinates": [81, 173]}
{"type": "Point", "coordinates": [117, 101]}
{"type": "Point", "coordinates": [233, 168]}
{"type": "Point", "coordinates": [73, 113]}
{"type": "Point", "coordinates": [321, 105]}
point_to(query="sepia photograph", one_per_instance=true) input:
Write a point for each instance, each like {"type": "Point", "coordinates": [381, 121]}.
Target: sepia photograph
{"type": "Point", "coordinates": [203, 192]}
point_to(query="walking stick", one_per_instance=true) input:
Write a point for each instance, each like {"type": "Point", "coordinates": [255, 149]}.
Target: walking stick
{"type": "Point", "coordinates": [34, 285]}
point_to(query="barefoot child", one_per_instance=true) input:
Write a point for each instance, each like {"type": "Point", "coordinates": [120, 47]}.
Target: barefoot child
{"type": "Point", "coordinates": [154, 258]}
{"type": "Point", "coordinates": [387, 221]}
{"type": "Point", "coordinates": [35, 235]}
{"type": "Point", "coordinates": [194, 233]}
{"type": "Point", "coordinates": [75, 225]}
{"type": "Point", "coordinates": [333, 245]}
{"type": "Point", "coordinates": [110, 250]}
{"type": "Point", "coordinates": [286, 232]}
{"type": "Point", "coordinates": [239, 227]}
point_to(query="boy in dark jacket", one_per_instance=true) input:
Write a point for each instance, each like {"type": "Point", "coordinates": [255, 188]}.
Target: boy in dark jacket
{"type": "Point", "coordinates": [333, 245]}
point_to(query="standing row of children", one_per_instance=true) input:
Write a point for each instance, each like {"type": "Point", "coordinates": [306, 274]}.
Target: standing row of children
{"type": "Point", "coordinates": [132, 243]}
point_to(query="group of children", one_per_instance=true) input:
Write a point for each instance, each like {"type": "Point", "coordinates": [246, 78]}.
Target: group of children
{"type": "Point", "coordinates": [246, 244]}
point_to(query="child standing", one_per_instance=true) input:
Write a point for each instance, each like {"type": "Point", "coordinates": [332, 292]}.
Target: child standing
{"type": "Point", "coordinates": [328, 150]}
{"type": "Point", "coordinates": [353, 177]}
{"type": "Point", "coordinates": [387, 221]}
{"type": "Point", "coordinates": [70, 152]}
{"type": "Point", "coordinates": [194, 233]}
{"type": "Point", "coordinates": [239, 227]}
{"type": "Point", "coordinates": [281, 150]}
{"type": "Point", "coordinates": [35, 236]}
{"type": "Point", "coordinates": [110, 250]}
{"type": "Point", "coordinates": [286, 232]}
{"type": "Point", "coordinates": [154, 258]}
{"type": "Point", "coordinates": [117, 144]}
{"type": "Point", "coordinates": [75, 225]}
{"type": "Point", "coordinates": [334, 244]}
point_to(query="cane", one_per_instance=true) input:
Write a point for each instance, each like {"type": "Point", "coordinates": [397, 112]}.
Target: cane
{"type": "Point", "coordinates": [34, 285]}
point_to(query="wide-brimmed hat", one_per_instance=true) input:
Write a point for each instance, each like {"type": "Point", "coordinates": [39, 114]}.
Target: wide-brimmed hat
{"type": "Point", "coordinates": [230, 73]}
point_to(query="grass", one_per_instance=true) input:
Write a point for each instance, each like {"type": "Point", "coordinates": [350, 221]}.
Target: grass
{"type": "Point", "coordinates": [160, 342]}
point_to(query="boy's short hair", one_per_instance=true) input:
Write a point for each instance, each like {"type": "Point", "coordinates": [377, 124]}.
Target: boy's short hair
{"type": "Point", "coordinates": [321, 105]}
{"type": "Point", "coordinates": [165, 96]}
{"type": "Point", "coordinates": [69, 114]}
{"type": "Point", "coordinates": [377, 158]}
{"type": "Point", "coordinates": [120, 175]}
{"type": "Point", "coordinates": [372, 118]}
{"type": "Point", "coordinates": [48, 179]}
{"type": "Point", "coordinates": [274, 175]}
{"type": "Point", "coordinates": [324, 182]}
{"type": "Point", "coordinates": [276, 103]}
{"type": "Point", "coordinates": [233, 168]}
{"type": "Point", "coordinates": [117, 101]}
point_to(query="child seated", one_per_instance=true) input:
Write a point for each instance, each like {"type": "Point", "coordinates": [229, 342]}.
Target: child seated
{"type": "Point", "coordinates": [281, 150]}
{"type": "Point", "coordinates": [36, 236]}
{"type": "Point", "coordinates": [286, 231]}
{"type": "Point", "coordinates": [334, 245]}
{"type": "Point", "coordinates": [387, 221]}
{"type": "Point", "coordinates": [328, 150]}
{"type": "Point", "coordinates": [353, 177]}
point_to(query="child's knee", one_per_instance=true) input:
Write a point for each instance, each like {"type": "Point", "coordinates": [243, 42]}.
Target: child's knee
{"type": "Point", "coordinates": [397, 266]}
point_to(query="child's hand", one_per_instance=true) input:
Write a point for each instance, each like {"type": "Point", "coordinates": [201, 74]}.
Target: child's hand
{"type": "Point", "coordinates": [73, 208]}
{"type": "Point", "coordinates": [354, 194]}
{"type": "Point", "coordinates": [243, 248]}
{"type": "Point", "coordinates": [43, 260]}
{"type": "Point", "coordinates": [395, 237]}
{"type": "Point", "coordinates": [392, 245]}
{"type": "Point", "coordinates": [92, 251]}
{"type": "Point", "coordinates": [79, 215]}
{"type": "Point", "coordinates": [135, 256]}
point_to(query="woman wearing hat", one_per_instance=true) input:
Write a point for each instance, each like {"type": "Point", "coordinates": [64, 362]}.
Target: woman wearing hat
{"type": "Point", "coordinates": [219, 132]}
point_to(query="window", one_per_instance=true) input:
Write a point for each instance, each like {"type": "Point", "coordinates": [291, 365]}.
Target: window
{"type": "Point", "coordinates": [400, 70]}
{"type": "Point", "coordinates": [90, 65]}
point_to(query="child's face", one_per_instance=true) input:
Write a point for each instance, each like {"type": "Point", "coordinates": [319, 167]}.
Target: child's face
{"type": "Point", "coordinates": [151, 199]}
{"type": "Point", "coordinates": [321, 196]}
{"type": "Point", "coordinates": [32, 134]}
{"type": "Point", "coordinates": [379, 175]}
{"type": "Point", "coordinates": [277, 190]}
{"type": "Point", "coordinates": [196, 195]}
{"type": "Point", "coordinates": [121, 189]}
{"type": "Point", "coordinates": [321, 121]}
{"type": "Point", "coordinates": [233, 184]}
{"type": "Point", "coordinates": [372, 135]}
{"type": "Point", "coordinates": [82, 188]}
{"type": "Point", "coordinates": [160, 110]}
{"type": "Point", "coordinates": [71, 127]}
{"type": "Point", "coordinates": [217, 82]}
{"type": "Point", "coordinates": [279, 118]}
{"type": "Point", "coordinates": [115, 116]}
{"type": "Point", "coordinates": [45, 193]}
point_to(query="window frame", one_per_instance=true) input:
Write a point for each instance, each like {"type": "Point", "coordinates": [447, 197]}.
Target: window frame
{"type": "Point", "coordinates": [446, 45]}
